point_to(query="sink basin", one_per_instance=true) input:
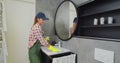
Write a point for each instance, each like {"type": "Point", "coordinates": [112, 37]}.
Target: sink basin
{"type": "Point", "coordinates": [50, 53]}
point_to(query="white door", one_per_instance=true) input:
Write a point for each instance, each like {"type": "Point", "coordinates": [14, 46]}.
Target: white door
{"type": "Point", "coordinates": [20, 17]}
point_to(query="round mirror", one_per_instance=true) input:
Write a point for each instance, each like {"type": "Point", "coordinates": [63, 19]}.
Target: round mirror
{"type": "Point", "coordinates": [65, 20]}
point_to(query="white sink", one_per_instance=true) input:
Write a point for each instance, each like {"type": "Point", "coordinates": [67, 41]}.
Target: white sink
{"type": "Point", "coordinates": [50, 53]}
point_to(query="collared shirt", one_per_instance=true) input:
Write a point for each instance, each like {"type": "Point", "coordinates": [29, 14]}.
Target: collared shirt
{"type": "Point", "coordinates": [36, 33]}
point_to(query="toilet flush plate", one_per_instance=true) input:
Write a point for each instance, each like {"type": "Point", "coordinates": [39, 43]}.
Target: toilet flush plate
{"type": "Point", "coordinates": [104, 56]}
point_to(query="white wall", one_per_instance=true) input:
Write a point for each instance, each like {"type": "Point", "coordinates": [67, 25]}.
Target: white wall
{"type": "Point", "coordinates": [20, 16]}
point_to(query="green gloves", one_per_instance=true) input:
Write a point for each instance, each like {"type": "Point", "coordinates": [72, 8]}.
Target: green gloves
{"type": "Point", "coordinates": [53, 49]}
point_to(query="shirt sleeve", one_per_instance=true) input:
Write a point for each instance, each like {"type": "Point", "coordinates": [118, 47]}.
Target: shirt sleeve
{"type": "Point", "coordinates": [38, 35]}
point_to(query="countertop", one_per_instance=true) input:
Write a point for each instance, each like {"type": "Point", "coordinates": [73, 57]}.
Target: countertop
{"type": "Point", "coordinates": [50, 53]}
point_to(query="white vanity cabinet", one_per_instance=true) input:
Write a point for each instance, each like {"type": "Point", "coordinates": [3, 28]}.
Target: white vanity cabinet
{"type": "Point", "coordinates": [65, 56]}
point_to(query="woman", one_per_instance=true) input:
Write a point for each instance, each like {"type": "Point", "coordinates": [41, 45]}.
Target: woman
{"type": "Point", "coordinates": [36, 38]}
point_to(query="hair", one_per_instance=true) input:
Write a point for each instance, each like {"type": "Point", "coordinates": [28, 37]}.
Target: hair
{"type": "Point", "coordinates": [35, 20]}
{"type": "Point", "coordinates": [75, 20]}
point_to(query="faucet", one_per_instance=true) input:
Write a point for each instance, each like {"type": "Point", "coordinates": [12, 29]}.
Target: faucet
{"type": "Point", "coordinates": [58, 43]}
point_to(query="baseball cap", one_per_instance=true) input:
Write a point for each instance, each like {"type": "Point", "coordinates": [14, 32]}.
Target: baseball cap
{"type": "Point", "coordinates": [42, 15]}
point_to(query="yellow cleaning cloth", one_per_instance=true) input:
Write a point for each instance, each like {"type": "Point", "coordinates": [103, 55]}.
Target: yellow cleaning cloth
{"type": "Point", "coordinates": [53, 49]}
{"type": "Point", "coordinates": [47, 38]}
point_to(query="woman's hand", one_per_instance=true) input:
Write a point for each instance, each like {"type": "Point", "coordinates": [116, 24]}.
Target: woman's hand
{"type": "Point", "coordinates": [48, 45]}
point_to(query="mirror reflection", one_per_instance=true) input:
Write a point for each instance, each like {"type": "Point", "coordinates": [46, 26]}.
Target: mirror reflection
{"type": "Point", "coordinates": [65, 20]}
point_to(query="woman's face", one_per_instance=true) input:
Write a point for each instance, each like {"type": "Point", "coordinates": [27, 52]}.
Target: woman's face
{"type": "Point", "coordinates": [40, 21]}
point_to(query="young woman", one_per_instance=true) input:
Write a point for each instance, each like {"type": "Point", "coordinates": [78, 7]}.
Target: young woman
{"type": "Point", "coordinates": [36, 38]}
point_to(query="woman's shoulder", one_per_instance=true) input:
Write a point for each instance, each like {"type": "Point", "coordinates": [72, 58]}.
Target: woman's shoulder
{"type": "Point", "coordinates": [35, 27]}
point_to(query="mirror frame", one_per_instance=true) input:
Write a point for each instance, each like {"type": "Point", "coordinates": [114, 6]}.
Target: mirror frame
{"type": "Point", "coordinates": [55, 19]}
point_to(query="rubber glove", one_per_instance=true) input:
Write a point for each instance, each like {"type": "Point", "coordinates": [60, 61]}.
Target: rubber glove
{"type": "Point", "coordinates": [47, 38]}
{"type": "Point", "coordinates": [53, 49]}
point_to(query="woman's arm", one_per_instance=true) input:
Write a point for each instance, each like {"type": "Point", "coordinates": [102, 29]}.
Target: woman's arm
{"type": "Point", "coordinates": [39, 36]}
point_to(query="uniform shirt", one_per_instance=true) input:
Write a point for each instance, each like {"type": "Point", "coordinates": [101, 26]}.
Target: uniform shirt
{"type": "Point", "coordinates": [36, 33]}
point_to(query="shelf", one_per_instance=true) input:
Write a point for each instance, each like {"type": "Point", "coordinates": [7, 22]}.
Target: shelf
{"type": "Point", "coordinates": [105, 25]}
{"type": "Point", "coordinates": [98, 12]}
{"type": "Point", "coordinates": [102, 8]}
{"type": "Point", "coordinates": [98, 38]}
{"type": "Point", "coordinates": [98, 9]}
